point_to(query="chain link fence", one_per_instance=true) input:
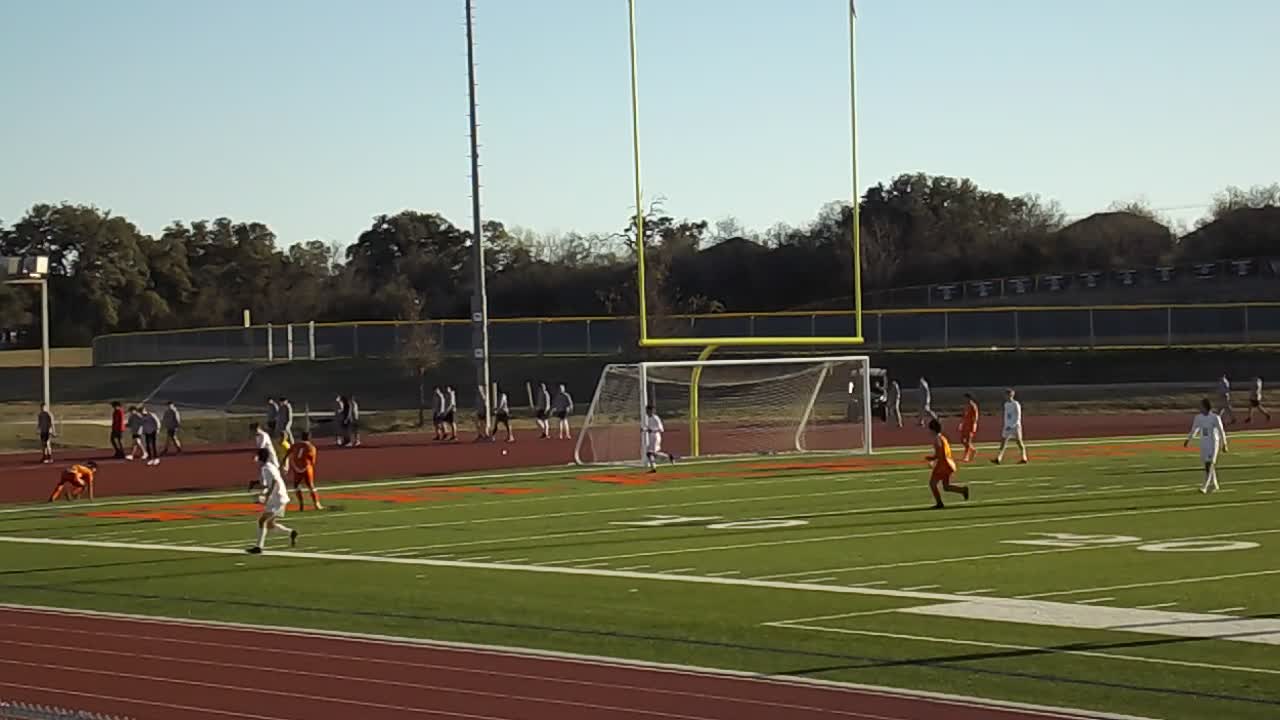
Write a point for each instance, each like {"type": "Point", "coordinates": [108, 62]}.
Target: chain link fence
{"type": "Point", "coordinates": [26, 711]}
{"type": "Point", "coordinates": [930, 329]}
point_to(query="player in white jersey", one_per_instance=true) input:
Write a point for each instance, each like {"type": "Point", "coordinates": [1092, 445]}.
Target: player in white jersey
{"type": "Point", "coordinates": [274, 497]}
{"type": "Point", "coordinates": [1012, 429]}
{"type": "Point", "coordinates": [1255, 401]}
{"type": "Point", "coordinates": [437, 412]}
{"type": "Point", "coordinates": [926, 403]}
{"type": "Point", "coordinates": [1224, 396]}
{"type": "Point", "coordinates": [450, 412]}
{"type": "Point", "coordinates": [262, 441]}
{"type": "Point", "coordinates": [1213, 439]}
{"type": "Point", "coordinates": [542, 410]}
{"type": "Point", "coordinates": [651, 426]}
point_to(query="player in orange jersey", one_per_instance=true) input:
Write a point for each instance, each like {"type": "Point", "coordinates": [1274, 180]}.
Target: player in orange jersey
{"type": "Point", "coordinates": [74, 480]}
{"type": "Point", "coordinates": [969, 427]}
{"type": "Point", "coordinates": [302, 465]}
{"type": "Point", "coordinates": [944, 466]}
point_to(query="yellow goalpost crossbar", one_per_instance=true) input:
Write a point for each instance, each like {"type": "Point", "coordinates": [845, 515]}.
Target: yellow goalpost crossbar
{"type": "Point", "coordinates": [710, 342]}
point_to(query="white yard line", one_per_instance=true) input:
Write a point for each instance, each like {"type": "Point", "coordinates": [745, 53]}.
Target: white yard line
{"type": "Point", "coordinates": [1156, 606]}
{"type": "Point", "coordinates": [1227, 611]}
{"type": "Point", "coordinates": [1153, 583]}
{"type": "Point", "coordinates": [1028, 648]}
{"type": "Point", "coordinates": [976, 592]}
{"type": "Point", "coordinates": [921, 587]}
{"type": "Point", "coordinates": [1094, 601]}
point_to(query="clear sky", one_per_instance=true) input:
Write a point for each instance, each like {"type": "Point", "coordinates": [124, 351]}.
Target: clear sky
{"type": "Point", "coordinates": [315, 115]}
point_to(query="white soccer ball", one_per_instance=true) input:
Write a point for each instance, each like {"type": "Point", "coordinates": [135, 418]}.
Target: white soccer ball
{"type": "Point", "coordinates": [504, 452]}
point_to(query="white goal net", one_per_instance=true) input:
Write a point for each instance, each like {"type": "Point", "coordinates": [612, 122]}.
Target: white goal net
{"type": "Point", "coordinates": [731, 407]}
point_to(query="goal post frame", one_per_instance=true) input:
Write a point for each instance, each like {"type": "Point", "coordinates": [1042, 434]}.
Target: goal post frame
{"type": "Point", "coordinates": [863, 362]}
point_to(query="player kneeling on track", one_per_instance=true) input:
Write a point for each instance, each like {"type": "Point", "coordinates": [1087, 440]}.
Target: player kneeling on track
{"type": "Point", "coordinates": [274, 498]}
{"type": "Point", "coordinates": [74, 480]}
{"type": "Point", "coordinates": [302, 465]}
{"type": "Point", "coordinates": [944, 466]}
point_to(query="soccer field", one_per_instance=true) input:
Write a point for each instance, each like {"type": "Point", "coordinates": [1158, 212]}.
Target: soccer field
{"type": "Point", "coordinates": [1098, 577]}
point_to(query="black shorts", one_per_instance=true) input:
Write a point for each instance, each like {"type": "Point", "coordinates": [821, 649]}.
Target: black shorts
{"type": "Point", "coordinates": [562, 414]}
{"type": "Point", "coordinates": [1255, 403]}
{"type": "Point", "coordinates": [172, 433]}
{"type": "Point", "coordinates": [502, 417]}
{"type": "Point", "coordinates": [117, 434]}
{"type": "Point", "coordinates": [437, 418]}
{"type": "Point", "coordinates": [447, 418]}
{"type": "Point", "coordinates": [137, 437]}
{"type": "Point", "coordinates": [44, 438]}
{"type": "Point", "coordinates": [541, 414]}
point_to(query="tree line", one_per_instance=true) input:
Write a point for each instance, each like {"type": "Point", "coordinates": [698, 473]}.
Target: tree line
{"type": "Point", "coordinates": [109, 276]}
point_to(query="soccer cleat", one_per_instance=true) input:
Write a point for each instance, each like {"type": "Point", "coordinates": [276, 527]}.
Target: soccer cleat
{"type": "Point", "coordinates": [966, 493]}
{"type": "Point", "coordinates": [255, 550]}
{"type": "Point", "coordinates": [1023, 461]}
{"type": "Point", "coordinates": [995, 461]}
{"type": "Point", "coordinates": [939, 506]}
{"type": "Point", "coordinates": [293, 538]}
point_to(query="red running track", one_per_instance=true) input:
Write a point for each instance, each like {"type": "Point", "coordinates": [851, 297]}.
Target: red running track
{"type": "Point", "coordinates": [171, 670]}
{"type": "Point", "coordinates": [24, 479]}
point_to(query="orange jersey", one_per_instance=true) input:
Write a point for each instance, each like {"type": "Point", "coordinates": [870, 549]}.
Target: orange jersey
{"type": "Point", "coordinates": [942, 454]}
{"type": "Point", "coordinates": [969, 423]}
{"type": "Point", "coordinates": [78, 475]}
{"type": "Point", "coordinates": [302, 458]}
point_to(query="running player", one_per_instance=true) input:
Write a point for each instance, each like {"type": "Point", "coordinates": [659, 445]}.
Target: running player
{"type": "Point", "coordinates": [262, 442]}
{"type": "Point", "coordinates": [1213, 439]}
{"type": "Point", "coordinates": [1255, 401]}
{"type": "Point", "coordinates": [47, 429]}
{"type": "Point", "coordinates": [652, 428]}
{"type": "Point", "coordinates": [944, 466]}
{"type": "Point", "coordinates": [1012, 429]}
{"type": "Point", "coordinates": [969, 427]}
{"type": "Point", "coordinates": [274, 497]}
{"type": "Point", "coordinates": [302, 465]}
{"type": "Point", "coordinates": [74, 480]}
{"type": "Point", "coordinates": [562, 407]}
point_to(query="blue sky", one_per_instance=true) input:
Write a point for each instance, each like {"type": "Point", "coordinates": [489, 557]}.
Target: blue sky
{"type": "Point", "coordinates": [315, 115]}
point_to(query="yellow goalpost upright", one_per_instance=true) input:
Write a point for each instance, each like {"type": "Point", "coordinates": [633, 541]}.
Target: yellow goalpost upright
{"type": "Point", "coordinates": [710, 344]}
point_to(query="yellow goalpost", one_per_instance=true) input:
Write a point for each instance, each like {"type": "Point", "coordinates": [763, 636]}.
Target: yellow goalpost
{"type": "Point", "coordinates": [710, 344]}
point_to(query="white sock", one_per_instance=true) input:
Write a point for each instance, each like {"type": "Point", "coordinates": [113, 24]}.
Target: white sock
{"type": "Point", "coordinates": [262, 536]}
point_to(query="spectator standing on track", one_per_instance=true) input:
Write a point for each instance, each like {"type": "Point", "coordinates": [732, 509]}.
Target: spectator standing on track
{"type": "Point", "coordinates": [450, 412]}
{"type": "Point", "coordinates": [1255, 401]}
{"type": "Point", "coordinates": [273, 416]}
{"type": "Point", "coordinates": [1224, 394]}
{"type": "Point", "coordinates": [353, 420]}
{"type": "Point", "coordinates": [139, 450]}
{"type": "Point", "coordinates": [562, 407]}
{"type": "Point", "coordinates": [47, 429]}
{"type": "Point", "coordinates": [172, 423]}
{"type": "Point", "coordinates": [437, 412]}
{"type": "Point", "coordinates": [502, 416]}
{"type": "Point", "coordinates": [542, 411]}
{"type": "Point", "coordinates": [893, 403]}
{"type": "Point", "coordinates": [286, 422]}
{"type": "Point", "coordinates": [340, 427]}
{"type": "Point", "coordinates": [150, 432]}
{"type": "Point", "coordinates": [118, 426]}
{"type": "Point", "coordinates": [926, 402]}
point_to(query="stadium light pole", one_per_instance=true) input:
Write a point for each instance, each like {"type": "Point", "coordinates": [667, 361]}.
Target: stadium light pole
{"type": "Point", "coordinates": [479, 297]}
{"type": "Point", "coordinates": [34, 270]}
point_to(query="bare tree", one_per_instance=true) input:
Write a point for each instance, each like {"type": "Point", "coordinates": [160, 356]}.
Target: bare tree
{"type": "Point", "coordinates": [419, 352]}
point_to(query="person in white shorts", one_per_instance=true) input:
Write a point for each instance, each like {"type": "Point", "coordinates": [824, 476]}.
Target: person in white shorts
{"type": "Point", "coordinates": [1213, 439]}
{"type": "Point", "coordinates": [1012, 428]}
{"type": "Point", "coordinates": [1224, 394]}
{"type": "Point", "coordinates": [1255, 401]}
{"type": "Point", "coordinates": [274, 497]}
{"type": "Point", "coordinates": [652, 428]}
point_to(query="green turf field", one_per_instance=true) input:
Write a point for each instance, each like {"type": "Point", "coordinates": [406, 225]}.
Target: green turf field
{"type": "Point", "coordinates": [1098, 577]}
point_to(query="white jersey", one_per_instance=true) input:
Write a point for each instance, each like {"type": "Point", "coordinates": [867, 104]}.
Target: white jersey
{"type": "Point", "coordinates": [1012, 415]}
{"type": "Point", "coordinates": [273, 487]}
{"type": "Point", "coordinates": [262, 441]}
{"type": "Point", "coordinates": [451, 402]}
{"type": "Point", "coordinates": [502, 406]}
{"type": "Point", "coordinates": [926, 396]}
{"type": "Point", "coordinates": [544, 400]}
{"type": "Point", "coordinates": [1213, 437]}
{"type": "Point", "coordinates": [1224, 386]}
{"type": "Point", "coordinates": [1257, 390]}
{"type": "Point", "coordinates": [439, 403]}
{"type": "Point", "coordinates": [653, 429]}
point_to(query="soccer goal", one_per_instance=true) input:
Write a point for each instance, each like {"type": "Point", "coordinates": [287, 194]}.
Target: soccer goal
{"type": "Point", "coordinates": [731, 407]}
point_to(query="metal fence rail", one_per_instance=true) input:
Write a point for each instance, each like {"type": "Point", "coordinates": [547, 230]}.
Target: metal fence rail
{"type": "Point", "coordinates": [1120, 326]}
{"type": "Point", "coordinates": [25, 711]}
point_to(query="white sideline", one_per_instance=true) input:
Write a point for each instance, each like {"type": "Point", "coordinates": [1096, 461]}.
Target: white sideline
{"type": "Point", "coordinates": [594, 660]}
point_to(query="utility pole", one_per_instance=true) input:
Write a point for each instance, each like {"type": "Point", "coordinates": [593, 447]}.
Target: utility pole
{"type": "Point", "coordinates": [479, 297]}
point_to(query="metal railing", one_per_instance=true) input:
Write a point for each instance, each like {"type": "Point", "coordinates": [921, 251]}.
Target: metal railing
{"type": "Point", "coordinates": [1110, 327]}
